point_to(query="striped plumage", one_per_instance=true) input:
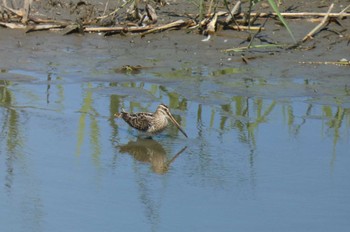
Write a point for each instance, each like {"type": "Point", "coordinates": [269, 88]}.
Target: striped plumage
{"type": "Point", "coordinates": [151, 123]}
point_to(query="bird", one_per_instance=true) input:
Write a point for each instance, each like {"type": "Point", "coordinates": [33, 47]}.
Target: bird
{"type": "Point", "coordinates": [150, 123]}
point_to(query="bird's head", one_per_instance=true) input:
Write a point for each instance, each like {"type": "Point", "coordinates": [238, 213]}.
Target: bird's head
{"type": "Point", "coordinates": [163, 109]}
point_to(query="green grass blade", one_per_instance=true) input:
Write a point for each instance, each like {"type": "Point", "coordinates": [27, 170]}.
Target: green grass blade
{"type": "Point", "coordinates": [275, 9]}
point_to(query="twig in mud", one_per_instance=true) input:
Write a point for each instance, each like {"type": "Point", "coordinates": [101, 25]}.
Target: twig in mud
{"type": "Point", "coordinates": [245, 28]}
{"type": "Point", "coordinates": [317, 28]}
{"type": "Point", "coordinates": [118, 29]}
{"type": "Point", "coordinates": [176, 24]}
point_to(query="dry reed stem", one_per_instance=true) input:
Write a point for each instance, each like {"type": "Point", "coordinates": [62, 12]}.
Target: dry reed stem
{"type": "Point", "coordinates": [318, 27]}
{"type": "Point", "coordinates": [245, 28]}
{"type": "Point", "coordinates": [118, 29]}
{"type": "Point", "coordinates": [176, 24]}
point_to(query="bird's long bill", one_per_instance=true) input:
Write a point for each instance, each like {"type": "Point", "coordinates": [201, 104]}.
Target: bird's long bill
{"type": "Point", "coordinates": [177, 125]}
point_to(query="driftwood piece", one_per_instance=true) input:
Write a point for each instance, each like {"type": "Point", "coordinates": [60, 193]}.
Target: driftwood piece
{"type": "Point", "coordinates": [319, 26]}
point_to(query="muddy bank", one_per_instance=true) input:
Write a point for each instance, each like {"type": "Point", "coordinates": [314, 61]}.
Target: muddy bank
{"type": "Point", "coordinates": [180, 54]}
{"type": "Point", "coordinates": [331, 43]}
{"type": "Point", "coordinates": [154, 17]}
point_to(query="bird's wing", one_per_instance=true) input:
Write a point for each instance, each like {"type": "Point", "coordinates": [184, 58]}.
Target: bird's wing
{"type": "Point", "coordinates": [140, 121]}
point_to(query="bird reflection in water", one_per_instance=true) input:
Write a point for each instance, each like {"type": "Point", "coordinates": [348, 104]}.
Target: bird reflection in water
{"type": "Point", "coordinates": [149, 150]}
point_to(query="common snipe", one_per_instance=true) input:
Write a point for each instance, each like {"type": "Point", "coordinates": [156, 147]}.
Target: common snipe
{"type": "Point", "coordinates": [150, 123]}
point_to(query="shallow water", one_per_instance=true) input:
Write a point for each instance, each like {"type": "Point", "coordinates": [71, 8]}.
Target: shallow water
{"type": "Point", "coordinates": [265, 152]}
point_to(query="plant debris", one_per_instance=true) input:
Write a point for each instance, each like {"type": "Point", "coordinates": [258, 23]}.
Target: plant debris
{"type": "Point", "coordinates": [143, 18]}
